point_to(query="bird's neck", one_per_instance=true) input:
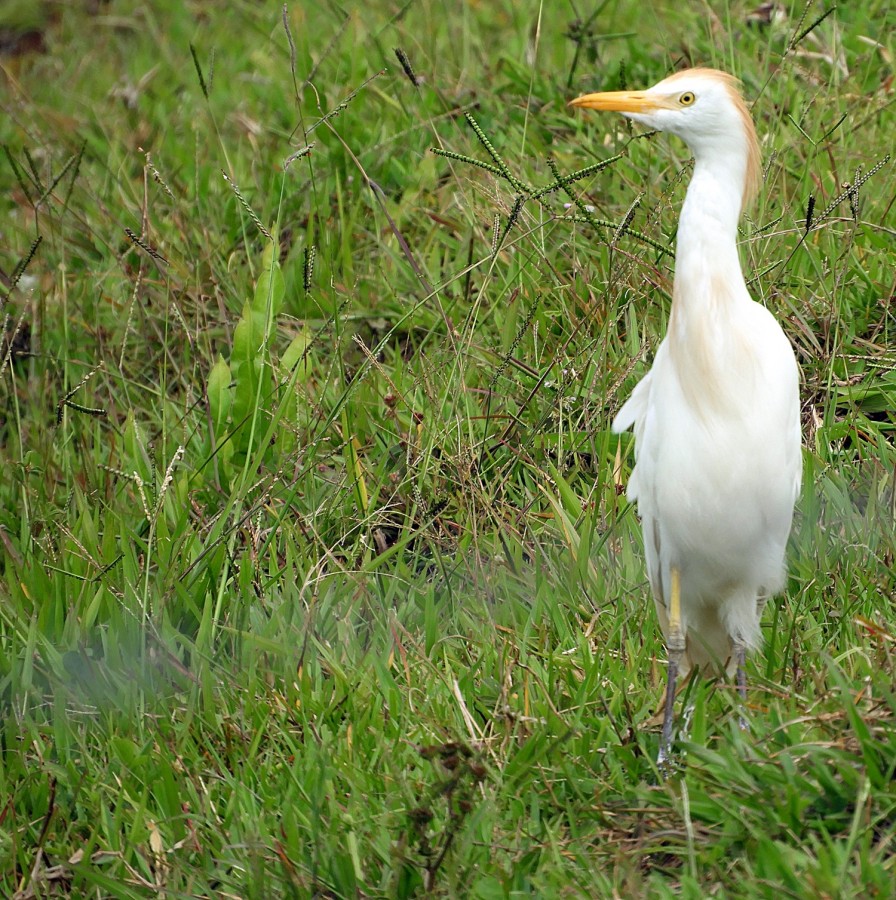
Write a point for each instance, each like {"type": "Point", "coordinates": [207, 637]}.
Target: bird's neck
{"type": "Point", "coordinates": [709, 284]}
{"type": "Point", "coordinates": [706, 251]}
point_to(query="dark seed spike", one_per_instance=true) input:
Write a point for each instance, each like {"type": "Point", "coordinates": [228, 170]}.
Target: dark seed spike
{"type": "Point", "coordinates": [95, 411]}
{"type": "Point", "coordinates": [211, 69]}
{"type": "Point", "coordinates": [460, 157]}
{"type": "Point", "coordinates": [75, 170]}
{"type": "Point", "coordinates": [852, 188]}
{"type": "Point", "coordinates": [145, 247]}
{"type": "Point", "coordinates": [299, 154]}
{"type": "Point", "coordinates": [67, 399]}
{"type": "Point", "coordinates": [202, 84]}
{"type": "Point", "coordinates": [627, 220]}
{"type": "Point", "coordinates": [793, 41]}
{"type": "Point", "coordinates": [75, 157]}
{"type": "Point", "coordinates": [23, 264]}
{"type": "Point", "coordinates": [292, 51]}
{"type": "Point", "coordinates": [520, 333]}
{"type": "Point", "coordinates": [565, 180]}
{"type": "Point", "coordinates": [20, 175]}
{"type": "Point", "coordinates": [157, 177]}
{"type": "Point", "coordinates": [810, 208]}
{"type": "Point", "coordinates": [499, 162]}
{"type": "Point", "coordinates": [593, 221]}
{"type": "Point", "coordinates": [511, 221]}
{"type": "Point", "coordinates": [245, 204]}
{"type": "Point", "coordinates": [344, 104]}
{"type": "Point", "coordinates": [35, 175]}
{"type": "Point", "coordinates": [308, 268]}
{"type": "Point", "coordinates": [290, 41]}
{"type": "Point", "coordinates": [406, 65]}
{"type": "Point", "coordinates": [813, 26]}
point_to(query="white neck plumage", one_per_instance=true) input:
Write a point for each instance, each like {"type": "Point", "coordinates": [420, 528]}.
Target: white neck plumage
{"type": "Point", "coordinates": [706, 252]}
{"type": "Point", "coordinates": [709, 285]}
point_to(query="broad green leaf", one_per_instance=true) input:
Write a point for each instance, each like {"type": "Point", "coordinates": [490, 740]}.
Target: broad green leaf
{"type": "Point", "coordinates": [220, 395]}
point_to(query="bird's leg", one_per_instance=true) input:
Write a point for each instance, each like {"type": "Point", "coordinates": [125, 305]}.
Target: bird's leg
{"type": "Point", "coordinates": [675, 645]}
{"type": "Point", "coordinates": [740, 652]}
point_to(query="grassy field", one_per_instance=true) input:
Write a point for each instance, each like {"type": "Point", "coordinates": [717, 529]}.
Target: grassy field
{"type": "Point", "coordinates": [317, 576]}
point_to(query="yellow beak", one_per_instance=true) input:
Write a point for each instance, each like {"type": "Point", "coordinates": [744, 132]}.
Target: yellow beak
{"type": "Point", "coordinates": [618, 101]}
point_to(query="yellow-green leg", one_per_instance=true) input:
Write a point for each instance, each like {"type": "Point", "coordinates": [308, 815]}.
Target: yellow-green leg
{"type": "Point", "coordinates": [740, 652]}
{"type": "Point", "coordinates": [675, 645]}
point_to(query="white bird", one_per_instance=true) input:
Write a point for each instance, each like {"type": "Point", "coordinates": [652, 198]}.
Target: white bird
{"type": "Point", "coordinates": [716, 419]}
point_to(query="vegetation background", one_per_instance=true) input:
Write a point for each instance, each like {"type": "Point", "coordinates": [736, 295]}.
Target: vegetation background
{"type": "Point", "coordinates": [317, 576]}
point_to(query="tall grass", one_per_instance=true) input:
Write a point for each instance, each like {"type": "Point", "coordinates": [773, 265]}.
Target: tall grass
{"type": "Point", "coordinates": [317, 574]}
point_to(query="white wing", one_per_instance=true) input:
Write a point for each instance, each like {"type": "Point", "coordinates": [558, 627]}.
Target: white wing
{"type": "Point", "coordinates": [634, 408]}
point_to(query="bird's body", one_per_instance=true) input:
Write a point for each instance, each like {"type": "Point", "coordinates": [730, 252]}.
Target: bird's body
{"type": "Point", "coordinates": [709, 477]}
{"type": "Point", "coordinates": [716, 419]}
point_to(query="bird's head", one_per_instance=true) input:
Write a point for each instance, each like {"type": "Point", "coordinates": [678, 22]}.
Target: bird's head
{"type": "Point", "coordinates": [703, 107]}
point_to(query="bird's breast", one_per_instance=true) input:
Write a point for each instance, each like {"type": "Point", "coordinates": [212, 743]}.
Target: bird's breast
{"type": "Point", "coordinates": [716, 446]}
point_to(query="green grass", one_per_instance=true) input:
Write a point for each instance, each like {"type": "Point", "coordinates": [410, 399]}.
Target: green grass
{"type": "Point", "coordinates": [326, 587]}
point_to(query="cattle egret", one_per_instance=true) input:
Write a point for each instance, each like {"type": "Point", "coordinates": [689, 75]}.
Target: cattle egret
{"type": "Point", "coordinates": [716, 419]}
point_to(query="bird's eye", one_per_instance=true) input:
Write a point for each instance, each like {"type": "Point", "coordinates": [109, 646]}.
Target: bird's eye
{"type": "Point", "coordinates": [686, 99]}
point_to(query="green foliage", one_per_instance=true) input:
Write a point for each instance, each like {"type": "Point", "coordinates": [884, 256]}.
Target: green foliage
{"type": "Point", "coordinates": [316, 575]}
{"type": "Point", "coordinates": [240, 393]}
